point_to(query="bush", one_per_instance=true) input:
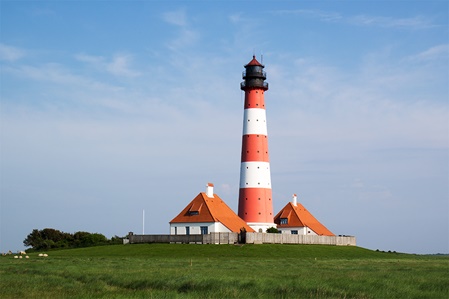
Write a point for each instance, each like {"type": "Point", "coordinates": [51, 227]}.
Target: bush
{"type": "Point", "coordinates": [272, 230]}
{"type": "Point", "coordinates": [49, 238]}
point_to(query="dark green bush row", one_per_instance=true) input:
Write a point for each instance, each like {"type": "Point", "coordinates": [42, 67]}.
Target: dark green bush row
{"type": "Point", "coordinates": [49, 238]}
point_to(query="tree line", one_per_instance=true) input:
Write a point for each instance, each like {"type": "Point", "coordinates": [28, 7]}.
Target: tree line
{"type": "Point", "coordinates": [49, 238]}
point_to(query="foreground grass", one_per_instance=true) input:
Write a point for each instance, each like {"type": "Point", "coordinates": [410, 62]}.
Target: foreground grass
{"type": "Point", "coordinates": [224, 271]}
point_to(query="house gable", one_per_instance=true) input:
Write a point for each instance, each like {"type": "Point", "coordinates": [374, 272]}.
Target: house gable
{"type": "Point", "coordinates": [205, 209]}
{"type": "Point", "coordinates": [299, 216]}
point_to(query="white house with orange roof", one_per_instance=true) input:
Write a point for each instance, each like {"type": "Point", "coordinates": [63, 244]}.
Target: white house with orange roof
{"type": "Point", "coordinates": [294, 218]}
{"type": "Point", "coordinates": [207, 213]}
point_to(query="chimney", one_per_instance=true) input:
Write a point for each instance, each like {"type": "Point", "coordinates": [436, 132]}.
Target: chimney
{"type": "Point", "coordinates": [294, 200]}
{"type": "Point", "coordinates": [210, 190]}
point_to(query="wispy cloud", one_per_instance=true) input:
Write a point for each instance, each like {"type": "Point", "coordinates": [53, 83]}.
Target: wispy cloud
{"type": "Point", "coordinates": [434, 53]}
{"type": "Point", "coordinates": [176, 17]}
{"type": "Point", "coordinates": [417, 22]}
{"type": "Point", "coordinates": [186, 36]}
{"type": "Point", "coordinates": [50, 72]}
{"type": "Point", "coordinates": [10, 53]}
{"type": "Point", "coordinates": [118, 65]}
{"type": "Point", "coordinates": [327, 16]}
{"type": "Point", "coordinates": [389, 22]}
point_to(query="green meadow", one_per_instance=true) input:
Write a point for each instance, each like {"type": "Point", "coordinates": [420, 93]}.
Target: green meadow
{"type": "Point", "coordinates": [224, 271]}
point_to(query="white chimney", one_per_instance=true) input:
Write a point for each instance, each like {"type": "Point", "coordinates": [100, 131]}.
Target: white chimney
{"type": "Point", "coordinates": [210, 190]}
{"type": "Point", "coordinates": [294, 200]}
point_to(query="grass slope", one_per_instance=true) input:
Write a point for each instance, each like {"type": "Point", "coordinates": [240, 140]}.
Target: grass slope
{"type": "Point", "coordinates": [224, 271]}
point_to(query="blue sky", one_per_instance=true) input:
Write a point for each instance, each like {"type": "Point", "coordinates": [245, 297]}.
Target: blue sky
{"type": "Point", "coordinates": [111, 108]}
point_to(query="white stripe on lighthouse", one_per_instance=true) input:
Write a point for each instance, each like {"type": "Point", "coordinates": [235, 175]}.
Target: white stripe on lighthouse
{"type": "Point", "coordinates": [254, 121]}
{"type": "Point", "coordinates": [255, 175]}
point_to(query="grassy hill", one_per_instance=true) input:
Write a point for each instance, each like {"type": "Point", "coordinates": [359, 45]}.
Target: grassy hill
{"type": "Point", "coordinates": [231, 251]}
{"type": "Point", "coordinates": [224, 271]}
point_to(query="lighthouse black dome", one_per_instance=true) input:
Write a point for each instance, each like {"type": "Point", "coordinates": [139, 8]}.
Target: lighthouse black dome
{"type": "Point", "coordinates": [254, 76]}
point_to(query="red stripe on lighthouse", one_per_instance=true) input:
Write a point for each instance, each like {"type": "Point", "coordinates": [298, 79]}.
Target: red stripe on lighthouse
{"type": "Point", "coordinates": [255, 99]}
{"type": "Point", "coordinates": [256, 205]}
{"type": "Point", "coordinates": [255, 148]}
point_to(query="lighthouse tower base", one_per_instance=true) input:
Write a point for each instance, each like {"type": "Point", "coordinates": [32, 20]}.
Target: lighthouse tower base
{"type": "Point", "coordinates": [260, 227]}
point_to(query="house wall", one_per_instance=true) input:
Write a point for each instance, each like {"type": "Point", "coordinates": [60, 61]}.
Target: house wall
{"type": "Point", "coordinates": [195, 228]}
{"type": "Point", "coordinates": [302, 230]}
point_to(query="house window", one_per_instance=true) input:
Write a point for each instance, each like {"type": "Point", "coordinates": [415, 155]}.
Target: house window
{"type": "Point", "coordinates": [284, 220]}
{"type": "Point", "coordinates": [204, 230]}
{"type": "Point", "coordinates": [176, 230]}
{"type": "Point", "coordinates": [187, 230]}
{"type": "Point", "coordinates": [193, 213]}
{"type": "Point", "coordinates": [294, 232]}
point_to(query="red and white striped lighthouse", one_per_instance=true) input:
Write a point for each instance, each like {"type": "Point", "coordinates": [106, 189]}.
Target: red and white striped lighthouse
{"type": "Point", "coordinates": [255, 200]}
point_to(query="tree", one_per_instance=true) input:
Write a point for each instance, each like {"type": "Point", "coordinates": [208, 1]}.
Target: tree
{"type": "Point", "coordinates": [47, 238]}
{"type": "Point", "coordinates": [34, 239]}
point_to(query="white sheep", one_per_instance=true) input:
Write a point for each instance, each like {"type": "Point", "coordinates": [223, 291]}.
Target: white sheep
{"type": "Point", "coordinates": [45, 255]}
{"type": "Point", "coordinates": [22, 253]}
{"type": "Point", "coordinates": [27, 257]}
{"type": "Point", "coordinates": [16, 257]}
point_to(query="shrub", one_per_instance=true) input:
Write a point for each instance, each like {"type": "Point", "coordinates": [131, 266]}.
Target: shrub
{"type": "Point", "coordinates": [272, 230]}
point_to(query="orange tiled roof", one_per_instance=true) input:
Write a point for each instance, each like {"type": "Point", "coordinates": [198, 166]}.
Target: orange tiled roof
{"type": "Point", "coordinates": [211, 209]}
{"type": "Point", "coordinates": [298, 216]}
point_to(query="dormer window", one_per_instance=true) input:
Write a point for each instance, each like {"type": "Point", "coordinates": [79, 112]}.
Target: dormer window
{"type": "Point", "coordinates": [284, 221]}
{"type": "Point", "coordinates": [195, 209]}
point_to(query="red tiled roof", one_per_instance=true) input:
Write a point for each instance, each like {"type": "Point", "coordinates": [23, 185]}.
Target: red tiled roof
{"type": "Point", "coordinates": [298, 216]}
{"type": "Point", "coordinates": [211, 209]}
{"type": "Point", "coordinates": [254, 62]}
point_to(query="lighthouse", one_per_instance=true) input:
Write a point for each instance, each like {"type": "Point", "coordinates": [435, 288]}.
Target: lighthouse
{"type": "Point", "coordinates": [255, 196]}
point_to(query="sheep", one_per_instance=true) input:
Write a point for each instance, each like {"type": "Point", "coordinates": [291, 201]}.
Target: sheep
{"type": "Point", "coordinates": [41, 254]}
{"type": "Point", "coordinates": [45, 255]}
{"type": "Point", "coordinates": [22, 253]}
{"type": "Point", "coordinates": [20, 256]}
{"type": "Point", "coordinates": [16, 257]}
{"type": "Point", "coordinates": [27, 257]}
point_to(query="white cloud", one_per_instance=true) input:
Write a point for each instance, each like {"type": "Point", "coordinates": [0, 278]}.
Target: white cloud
{"type": "Point", "coordinates": [57, 74]}
{"type": "Point", "coordinates": [327, 16]}
{"type": "Point", "coordinates": [417, 22]}
{"type": "Point", "coordinates": [119, 65]}
{"type": "Point", "coordinates": [390, 22]}
{"type": "Point", "coordinates": [433, 53]}
{"type": "Point", "coordinates": [177, 17]}
{"type": "Point", "coordinates": [186, 36]}
{"type": "Point", "coordinates": [236, 18]}
{"type": "Point", "coordinates": [10, 53]}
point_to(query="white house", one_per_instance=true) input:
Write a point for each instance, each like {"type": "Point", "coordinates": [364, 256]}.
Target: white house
{"type": "Point", "coordinates": [294, 218]}
{"type": "Point", "coordinates": [207, 213]}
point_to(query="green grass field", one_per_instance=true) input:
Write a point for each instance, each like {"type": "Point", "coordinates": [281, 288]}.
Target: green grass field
{"type": "Point", "coordinates": [224, 271]}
